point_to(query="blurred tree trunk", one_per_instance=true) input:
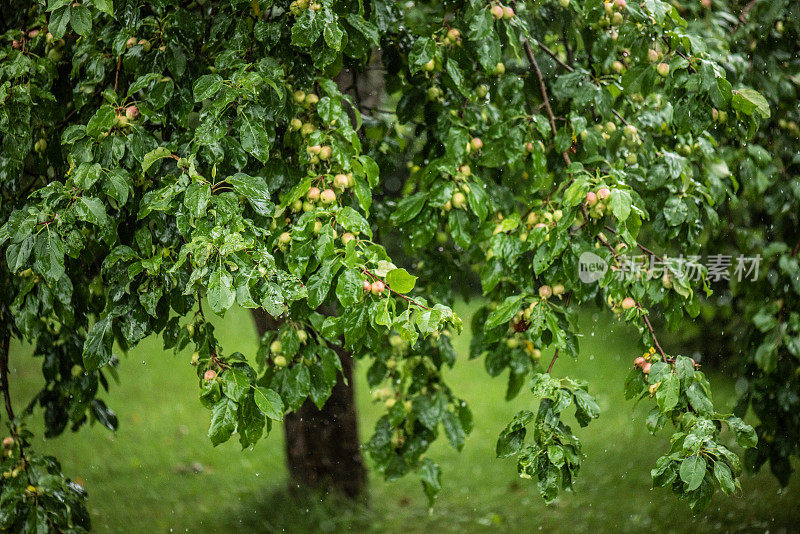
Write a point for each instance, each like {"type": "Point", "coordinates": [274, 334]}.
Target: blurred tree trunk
{"type": "Point", "coordinates": [323, 450]}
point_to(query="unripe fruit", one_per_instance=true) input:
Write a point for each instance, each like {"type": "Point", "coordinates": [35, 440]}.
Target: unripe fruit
{"type": "Point", "coordinates": [610, 127]}
{"type": "Point", "coordinates": [340, 181]}
{"type": "Point", "coordinates": [378, 287]}
{"type": "Point", "coordinates": [367, 286]}
{"type": "Point", "coordinates": [508, 13]}
{"type": "Point", "coordinates": [528, 147]}
{"type": "Point", "coordinates": [545, 292]}
{"type": "Point", "coordinates": [666, 281]}
{"type": "Point", "coordinates": [391, 401]}
{"type": "Point", "coordinates": [40, 146]}
{"type": "Point", "coordinates": [603, 193]}
{"type": "Point", "coordinates": [325, 153]}
{"type": "Point", "coordinates": [429, 66]}
{"type": "Point", "coordinates": [307, 129]}
{"type": "Point", "coordinates": [663, 70]}
{"type": "Point", "coordinates": [313, 149]}
{"type": "Point", "coordinates": [616, 19]}
{"type": "Point", "coordinates": [497, 12]}
{"type": "Point", "coordinates": [195, 358]}
{"type": "Point", "coordinates": [327, 196]}
{"type": "Point", "coordinates": [284, 238]}
{"type": "Point", "coordinates": [465, 170]}
{"type": "Point", "coordinates": [454, 34]}
{"type": "Point", "coordinates": [130, 43]}
{"type": "Point", "coordinates": [653, 55]}
{"type": "Point", "coordinates": [280, 361]}
{"type": "Point", "coordinates": [617, 67]}
{"type": "Point", "coordinates": [591, 199]}
{"type": "Point", "coordinates": [433, 93]}
{"type": "Point", "coordinates": [299, 96]}
{"type": "Point", "coordinates": [8, 442]}
{"type": "Point", "coordinates": [536, 355]}
{"type": "Point", "coordinates": [557, 215]}
{"type": "Point", "coordinates": [459, 200]}
{"type": "Point", "coordinates": [630, 131]}
{"type": "Point", "coordinates": [558, 290]}
{"type": "Point", "coordinates": [621, 4]}
{"type": "Point", "coordinates": [210, 374]}
{"type": "Point", "coordinates": [317, 227]}
{"type": "Point", "coordinates": [145, 44]}
{"type": "Point", "coordinates": [296, 124]}
{"type": "Point", "coordinates": [346, 238]}
{"type": "Point", "coordinates": [628, 303]}
{"type": "Point", "coordinates": [311, 99]}
{"type": "Point", "coordinates": [500, 68]}
{"type": "Point", "coordinates": [302, 336]}
{"type": "Point", "coordinates": [512, 343]}
{"type": "Point", "coordinates": [608, 6]}
{"type": "Point", "coordinates": [646, 368]}
{"type": "Point", "coordinates": [275, 347]}
{"type": "Point", "coordinates": [482, 91]}
{"type": "Point", "coordinates": [475, 143]}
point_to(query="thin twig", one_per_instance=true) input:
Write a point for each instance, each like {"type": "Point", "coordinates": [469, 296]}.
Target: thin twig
{"type": "Point", "coordinates": [642, 247]}
{"type": "Point", "coordinates": [4, 351]}
{"type": "Point", "coordinates": [553, 55]}
{"type": "Point", "coordinates": [653, 335]}
{"type": "Point", "coordinates": [555, 357]}
{"type": "Point", "coordinates": [116, 75]}
{"type": "Point", "coordinates": [543, 89]}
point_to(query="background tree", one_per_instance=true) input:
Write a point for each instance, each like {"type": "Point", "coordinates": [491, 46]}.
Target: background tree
{"type": "Point", "coordinates": [161, 162]}
{"type": "Point", "coordinates": [752, 329]}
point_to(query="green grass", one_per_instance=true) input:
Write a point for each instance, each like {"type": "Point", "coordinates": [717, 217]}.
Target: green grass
{"type": "Point", "coordinates": [144, 476]}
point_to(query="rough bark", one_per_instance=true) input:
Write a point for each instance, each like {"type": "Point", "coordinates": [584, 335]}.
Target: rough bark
{"type": "Point", "coordinates": [322, 446]}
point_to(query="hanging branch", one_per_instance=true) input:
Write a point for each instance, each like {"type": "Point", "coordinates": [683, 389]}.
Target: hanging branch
{"type": "Point", "coordinates": [545, 98]}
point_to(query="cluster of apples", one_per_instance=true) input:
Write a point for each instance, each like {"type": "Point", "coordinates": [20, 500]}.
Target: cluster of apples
{"type": "Point", "coordinates": [622, 306]}
{"type": "Point", "coordinates": [502, 12]}
{"type": "Point", "coordinates": [597, 202]}
{"type": "Point", "coordinates": [297, 7]}
{"type": "Point", "coordinates": [613, 13]}
{"type": "Point", "coordinates": [541, 219]}
{"type": "Point", "coordinates": [144, 43]}
{"type": "Point", "coordinates": [376, 287]}
{"type": "Point", "coordinates": [656, 57]}
{"type": "Point", "coordinates": [125, 116]}
{"type": "Point", "coordinates": [644, 361]}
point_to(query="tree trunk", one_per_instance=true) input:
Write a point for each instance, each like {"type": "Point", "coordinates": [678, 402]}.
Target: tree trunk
{"type": "Point", "coordinates": [322, 446]}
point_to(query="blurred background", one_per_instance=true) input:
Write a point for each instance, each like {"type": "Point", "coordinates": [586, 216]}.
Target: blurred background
{"type": "Point", "coordinates": [159, 472]}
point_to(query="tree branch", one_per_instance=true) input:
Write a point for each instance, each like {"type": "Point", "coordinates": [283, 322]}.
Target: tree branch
{"type": "Point", "coordinates": [543, 89]}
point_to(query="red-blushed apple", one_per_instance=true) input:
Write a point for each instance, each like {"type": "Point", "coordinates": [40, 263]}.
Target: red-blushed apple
{"type": "Point", "coordinates": [591, 199]}
{"type": "Point", "coordinates": [210, 375]}
{"type": "Point", "coordinates": [628, 303]}
{"type": "Point", "coordinates": [378, 287]}
{"type": "Point", "coordinates": [639, 362]}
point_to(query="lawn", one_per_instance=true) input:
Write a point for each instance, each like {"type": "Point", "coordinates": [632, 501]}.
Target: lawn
{"type": "Point", "coordinates": [160, 473]}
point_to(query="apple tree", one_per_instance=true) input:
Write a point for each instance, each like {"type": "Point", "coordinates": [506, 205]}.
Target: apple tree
{"type": "Point", "coordinates": [348, 170]}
